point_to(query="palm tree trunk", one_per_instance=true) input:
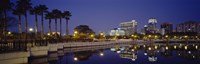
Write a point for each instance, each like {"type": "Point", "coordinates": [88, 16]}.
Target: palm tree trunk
{"type": "Point", "coordinates": [42, 33]}
{"type": "Point", "coordinates": [5, 26]}
{"type": "Point", "coordinates": [26, 27]}
{"type": "Point", "coordinates": [60, 27]}
{"type": "Point", "coordinates": [36, 25]}
{"type": "Point", "coordinates": [67, 31]}
{"type": "Point", "coordinates": [50, 26]}
{"type": "Point", "coordinates": [56, 26]}
{"type": "Point", "coordinates": [19, 26]}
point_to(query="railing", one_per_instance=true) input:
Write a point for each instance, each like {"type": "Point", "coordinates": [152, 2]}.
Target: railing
{"type": "Point", "coordinates": [19, 45]}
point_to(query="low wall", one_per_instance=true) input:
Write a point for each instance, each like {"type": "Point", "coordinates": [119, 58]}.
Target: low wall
{"type": "Point", "coordinates": [14, 58]}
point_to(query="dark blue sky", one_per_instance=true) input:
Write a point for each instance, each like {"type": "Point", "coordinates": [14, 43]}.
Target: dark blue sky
{"type": "Point", "coordinates": [104, 15]}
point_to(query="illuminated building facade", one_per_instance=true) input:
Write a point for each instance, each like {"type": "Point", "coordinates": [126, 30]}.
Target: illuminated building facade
{"type": "Point", "coordinates": [152, 26]}
{"type": "Point", "coordinates": [166, 28]}
{"type": "Point", "coordinates": [189, 26]}
{"type": "Point", "coordinates": [117, 32]}
{"type": "Point", "coordinates": [129, 27]}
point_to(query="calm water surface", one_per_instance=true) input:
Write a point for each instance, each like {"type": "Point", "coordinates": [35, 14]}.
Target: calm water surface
{"type": "Point", "coordinates": [133, 54]}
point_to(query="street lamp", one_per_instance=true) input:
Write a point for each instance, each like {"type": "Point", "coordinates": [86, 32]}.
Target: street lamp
{"type": "Point", "coordinates": [166, 36]}
{"type": "Point", "coordinates": [75, 58]}
{"type": "Point", "coordinates": [9, 33]}
{"type": "Point", "coordinates": [75, 32]}
{"type": "Point", "coordinates": [31, 29]}
{"type": "Point", "coordinates": [156, 36]}
{"type": "Point", "coordinates": [92, 35]}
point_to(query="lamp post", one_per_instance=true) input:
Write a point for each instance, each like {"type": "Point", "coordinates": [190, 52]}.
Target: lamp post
{"type": "Point", "coordinates": [31, 33]}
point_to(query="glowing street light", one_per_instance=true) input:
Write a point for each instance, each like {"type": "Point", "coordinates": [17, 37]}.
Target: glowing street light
{"type": "Point", "coordinates": [156, 46]}
{"type": "Point", "coordinates": [174, 46]}
{"type": "Point", "coordinates": [92, 35]}
{"type": "Point", "coordinates": [149, 36]}
{"type": "Point", "coordinates": [9, 33]}
{"type": "Point", "coordinates": [48, 34]}
{"type": "Point", "coordinates": [75, 58]}
{"type": "Point", "coordinates": [132, 35]}
{"type": "Point", "coordinates": [75, 32]}
{"type": "Point", "coordinates": [166, 36]}
{"type": "Point", "coordinates": [186, 47]}
{"type": "Point", "coordinates": [149, 48]}
{"type": "Point", "coordinates": [185, 36]}
{"type": "Point", "coordinates": [156, 36]}
{"type": "Point", "coordinates": [175, 37]}
{"type": "Point", "coordinates": [167, 48]}
{"type": "Point", "coordinates": [31, 29]}
{"type": "Point", "coordinates": [196, 47]}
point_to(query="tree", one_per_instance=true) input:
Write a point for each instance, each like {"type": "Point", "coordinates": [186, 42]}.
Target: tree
{"type": "Point", "coordinates": [24, 6]}
{"type": "Point", "coordinates": [41, 10]}
{"type": "Point", "coordinates": [83, 31]}
{"type": "Point", "coordinates": [5, 5]}
{"type": "Point", "coordinates": [60, 16]}
{"type": "Point", "coordinates": [18, 12]}
{"type": "Point", "coordinates": [56, 13]}
{"type": "Point", "coordinates": [35, 11]}
{"type": "Point", "coordinates": [49, 16]}
{"type": "Point", "coordinates": [67, 16]}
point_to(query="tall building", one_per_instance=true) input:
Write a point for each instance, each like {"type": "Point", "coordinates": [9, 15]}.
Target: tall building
{"type": "Point", "coordinates": [152, 26]}
{"type": "Point", "coordinates": [129, 27]}
{"type": "Point", "coordinates": [166, 28]}
{"type": "Point", "coordinates": [144, 30]}
{"type": "Point", "coordinates": [117, 32]}
{"type": "Point", "coordinates": [189, 26]}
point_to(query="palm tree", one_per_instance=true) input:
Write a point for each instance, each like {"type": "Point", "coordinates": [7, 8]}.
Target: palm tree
{"type": "Point", "coordinates": [49, 16]}
{"type": "Point", "coordinates": [60, 16]}
{"type": "Point", "coordinates": [18, 12]}
{"type": "Point", "coordinates": [35, 11]}
{"type": "Point", "coordinates": [25, 6]}
{"type": "Point", "coordinates": [67, 16]}
{"type": "Point", "coordinates": [39, 10]}
{"type": "Point", "coordinates": [56, 13]}
{"type": "Point", "coordinates": [5, 5]}
{"type": "Point", "coordinates": [42, 9]}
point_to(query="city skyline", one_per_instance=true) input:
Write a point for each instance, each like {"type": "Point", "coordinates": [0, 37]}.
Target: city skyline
{"type": "Point", "coordinates": [105, 15]}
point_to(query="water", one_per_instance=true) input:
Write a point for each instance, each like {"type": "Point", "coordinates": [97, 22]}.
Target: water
{"type": "Point", "coordinates": [131, 54]}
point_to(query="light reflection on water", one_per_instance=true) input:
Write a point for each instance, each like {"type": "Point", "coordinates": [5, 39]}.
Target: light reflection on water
{"type": "Point", "coordinates": [151, 53]}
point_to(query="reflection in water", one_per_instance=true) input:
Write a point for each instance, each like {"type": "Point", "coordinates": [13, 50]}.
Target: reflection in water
{"type": "Point", "coordinates": [101, 54]}
{"type": "Point", "coordinates": [129, 53]}
{"type": "Point", "coordinates": [135, 53]}
{"type": "Point", "coordinates": [181, 50]}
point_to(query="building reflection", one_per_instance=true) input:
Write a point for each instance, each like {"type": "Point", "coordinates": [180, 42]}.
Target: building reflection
{"type": "Point", "coordinates": [166, 51]}
{"type": "Point", "coordinates": [129, 53]}
{"type": "Point", "coordinates": [152, 51]}
{"type": "Point", "coordinates": [191, 52]}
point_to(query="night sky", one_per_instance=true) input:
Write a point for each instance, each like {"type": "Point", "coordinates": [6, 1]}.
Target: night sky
{"type": "Point", "coordinates": [104, 15]}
